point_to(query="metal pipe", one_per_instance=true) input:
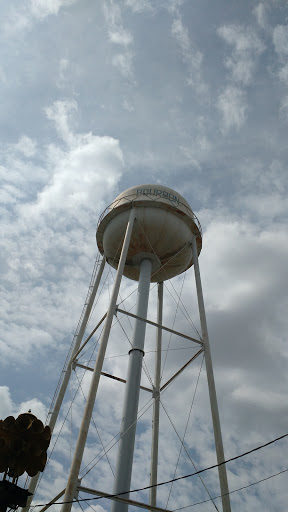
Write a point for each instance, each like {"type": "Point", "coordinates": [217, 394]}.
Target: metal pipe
{"type": "Point", "coordinates": [110, 376]}
{"type": "Point", "coordinates": [120, 498]}
{"type": "Point", "coordinates": [67, 375]}
{"type": "Point", "coordinates": [177, 333]}
{"type": "Point", "coordinates": [211, 385]}
{"type": "Point", "coordinates": [156, 405]}
{"type": "Point", "coordinates": [181, 370]}
{"type": "Point", "coordinates": [82, 436]}
{"type": "Point", "coordinates": [89, 337]}
{"type": "Point", "coordinates": [131, 399]}
{"type": "Point", "coordinates": [51, 502]}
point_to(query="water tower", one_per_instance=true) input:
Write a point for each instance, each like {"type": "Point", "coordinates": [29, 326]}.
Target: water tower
{"type": "Point", "coordinates": [149, 234]}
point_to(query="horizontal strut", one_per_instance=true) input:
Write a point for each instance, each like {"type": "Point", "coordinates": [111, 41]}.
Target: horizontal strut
{"type": "Point", "coordinates": [110, 376]}
{"type": "Point", "coordinates": [122, 499]}
{"type": "Point", "coordinates": [52, 501]}
{"type": "Point", "coordinates": [181, 369]}
{"type": "Point", "coordinates": [160, 326]}
{"type": "Point", "coordinates": [90, 336]}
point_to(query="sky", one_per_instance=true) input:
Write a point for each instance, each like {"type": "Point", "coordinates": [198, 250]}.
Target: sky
{"type": "Point", "coordinates": [97, 97]}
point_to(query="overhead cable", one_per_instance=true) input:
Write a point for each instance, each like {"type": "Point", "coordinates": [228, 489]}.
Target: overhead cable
{"type": "Point", "coordinates": [188, 476]}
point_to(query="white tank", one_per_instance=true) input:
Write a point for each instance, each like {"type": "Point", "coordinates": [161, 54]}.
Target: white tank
{"type": "Point", "coordinates": [162, 231]}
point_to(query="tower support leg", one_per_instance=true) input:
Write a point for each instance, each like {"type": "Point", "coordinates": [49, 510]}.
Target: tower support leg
{"type": "Point", "coordinates": [211, 385]}
{"type": "Point", "coordinates": [156, 405]}
{"type": "Point", "coordinates": [67, 375]}
{"type": "Point", "coordinates": [130, 408]}
{"type": "Point", "coordinates": [78, 454]}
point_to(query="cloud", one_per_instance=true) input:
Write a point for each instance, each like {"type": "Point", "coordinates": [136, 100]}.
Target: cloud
{"type": "Point", "coordinates": [89, 166]}
{"type": "Point", "coordinates": [239, 243]}
{"type": "Point", "coordinates": [283, 111]}
{"type": "Point", "coordinates": [263, 177]}
{"type": "Point", "coordinates": [191, 57]}
{"type": "Point", "coordinates": [6, 404]}
{"type": "Point", "coordinates": [128, 105]}
{"type": "Point", "coordinates": [260, 13]}
{"type": "Point", "coordinates": [283, 74]}
{"type": "Point", "coordinates": [91, 162]}
{"type": "Point", "coordinates": [26, 146]}
{"type": "Point", "coordinates": [9, 408]}
{"type": "Point", "coordinates": [280, 40]}
{"type": "Point", "coordinates": [116, 31]}
{"type": "Point", "coordinates": [263, 189]}
{"type": "Point", "coordinates": [3, 77]}
{"type": "Point", "coordinates": [87, 163]}
{"type": "Point", "coordinates": [21, 19]}
{"type": "Point", "coordinates": [242, 38]}
{"type": "Point", "coordinates": [63, 68]}
{"type": "Point", "coordinates": [61, 113]}
{"type": "Point", "coordinates": [233, 107]}
{"type": "Point", "coordinates": [119, 36]}
{"type": "Point", "coordinates": [246, 48]}
{"type": "Point", "coordinates": [40, 205]}
{"type": "Point", "coordinates": [174, 5]}
{"type": "Point", "coordinates": [124, 63]}
{"type": "Point", "coordinates": [16, 22]}
{"type": "Point", "coordinates": [271, 401]}
{"type": "Point", "coordinates": [139, 5]}
{"type": "Point", "coordinates": [42, 8]}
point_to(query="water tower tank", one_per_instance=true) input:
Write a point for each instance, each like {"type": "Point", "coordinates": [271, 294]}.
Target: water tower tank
{"type": "Point", "coordinates": [162, 231]}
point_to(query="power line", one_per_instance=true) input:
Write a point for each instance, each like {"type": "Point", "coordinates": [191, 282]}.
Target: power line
{"type": "Point", "coordinates": [187, 476]}
{"type": "Point", "coordinates": [231, 492]}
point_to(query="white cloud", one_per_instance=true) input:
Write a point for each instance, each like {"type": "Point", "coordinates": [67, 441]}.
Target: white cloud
{"type": "Point", "coordinates": [3, 77]}
{"type": "Point", "coordinates": [88, 164]}
{"type": "Point", "coordinates": [191, 57]}
{"type": "Point", "coordinates": [42, 8]}
{"type": "Point", "coordinates": [116, 31]}
{"type": "Point", "coordinates": [124, 63]}
{"type": "Point", "coordinates": [92, 164]}
{"type": "Point", "coordinates": [266, 178]}
{"type": "Point", "coordinates": [121, 37]}
{"type": "Point", "coordinates": [61, 113]}
{"type": "Point", "coordinates": [41, 204]}
{"type": "Point", "coordinates": [283, 74]}
{"type": "Point", "coordinates": [139, 5]}
{"type": "Point", "coordinates": [16, 22]}
{"type": "Point", "coordinates": [128, 105]}
{"type": "Point", "coordinates": [6, 404]}
{"type": "Point", "coordinates": [246, 47]}
{"type": "Point", "coordinates": [265, 205]}
{"type": "Point", "coordinates": [26, 146]}
{"type": "Point", "coordinates": [196, 151]}
{"type": "Point", "coordinates": [174, 5]}
{"type": "Point", "coordinates": [244, 259]}
{"type": "Point", "coordinates": [242, 38]}
{"type": "Point", "coordinates": [9, 408]}
{"type": "Point", "coordinates": [283, 111]}
{"type": "Point", "coordinates": [63, 68]}
{"type": "Point", "coordinates": [37, 408]}
{"type": "Point", "coordinates": [280, 40]}
{"type": "Point", "coordinates": [242, 70]}
{"type": "Point", "coordinates": [21, 19]}
{"type": "Point", "coordinates": [271, 401]}
{"type": "Point", "coordinates": [232, 106]}
{"type": "Point", "coordinates": [260, 14]}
